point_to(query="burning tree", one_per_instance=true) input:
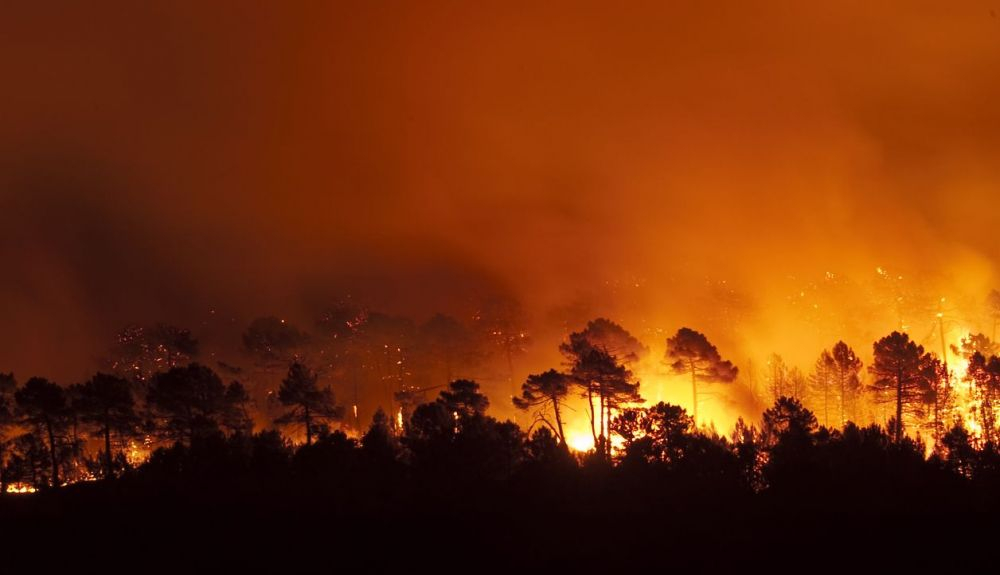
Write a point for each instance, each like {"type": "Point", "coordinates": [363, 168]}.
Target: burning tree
{"type": "Point", "coordinates": [985, 375]}
{"type": "Point", "coordinates": [975, 343]}
{"type": "Point", "coordinates": [545, 392]}
{"type": "Point", "coordinates": [690, 352]}
{"type": "Point", "coordinates": [107, 403]}
{"type": "Point", "coordinates": [900, 369]}
{"type": "Point", "coordinates": [143, 351]}
{"type": "Point", "coordinates": [307, 402]}
{"type": "Point", "coordinates": [993, 309]}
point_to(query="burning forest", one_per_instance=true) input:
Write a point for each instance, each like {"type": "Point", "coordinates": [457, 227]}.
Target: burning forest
{"type": "Point", "coordinates": [561, 286]}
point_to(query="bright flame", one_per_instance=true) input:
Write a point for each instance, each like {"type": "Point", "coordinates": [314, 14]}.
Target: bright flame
{"type": "Point", "coordinates": [580, 441]}
{"type": "Point", "coordinates": [18, 487]}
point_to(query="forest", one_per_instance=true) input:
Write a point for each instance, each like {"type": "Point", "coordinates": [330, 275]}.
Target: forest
{"type": "Point", "coordinates": [160, 433]}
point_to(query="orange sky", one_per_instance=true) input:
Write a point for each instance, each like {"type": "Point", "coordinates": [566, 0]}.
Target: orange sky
{"type": "Point", "coordinates": [161, 159]}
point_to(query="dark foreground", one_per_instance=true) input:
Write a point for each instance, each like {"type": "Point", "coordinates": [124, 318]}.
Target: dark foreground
{"type": "Point", "coordinates": [132, 526]}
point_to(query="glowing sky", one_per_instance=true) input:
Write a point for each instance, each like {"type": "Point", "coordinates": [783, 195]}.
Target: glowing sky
{"type": "Point", "coordinates": [162, 159]}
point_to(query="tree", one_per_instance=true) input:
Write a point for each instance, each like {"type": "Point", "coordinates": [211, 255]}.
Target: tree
{"type": "Point", "coordinates": [379, 445]}
{"type": "Point", "coordinates": [607, 336]}
{"type": "Point", "coordinates": [974, 342]}
{"type": "Point", "coordinates": [658, 433]}
{"type": "Point", "coordinates": [307, 402]}
{"type": "Point", "coordinates": [899, 370]}
{"type": "Point", "coordinates": [44, 407]}
{"type": "Point", "coordinates": [778, 385]}
{"type": "Point", "coordinates": [599, 356]}
{"type": "Point", "coordinates": [788, 433]}
{"type": "Point", "coordinates": [846, 375]}
{"type": "Point", "coordinates": [8, 422]}
{"type": "Point", "coordinates": [106, 402]}
{"type": "Point", "coordinates": [822, 382]}
{"type": "Point", "coordinates": [787, 418]}
{"type": "Point", "coordinates": [993, 308]}
{"type": "Point", "coordinates": [272, 341]}
{"type": "Point", "coordinates": [500, 323]}
{"type": "Point", "coordinates": [600, 375]}
{"type": "Point", "coordinates": [545, 392]}
{"type": "Point", "coordinates": [689, 351]}
{"type": "Point", "coordinates": [985, 376]}
{"type": "Point", "coordinates": [142, 351]}
{"type": "Point", "coordinates": [190, 401]}
{"type": "Point", "coordinates": [463, 399]}
{"type": "Point", "coordinates": [446, 344]}
{"type": "Point", "coordinates": [236, 417]}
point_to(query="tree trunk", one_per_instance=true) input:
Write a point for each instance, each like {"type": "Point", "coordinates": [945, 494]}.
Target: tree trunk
{"type": "Point", "coordinates": [109, 468]}
{"type": "Point", "coordinates": [826, 400]}
{"type": "Point", "coordinates": [694, 394]}
{"type": "Point", "coordinates": [590, 412]}
{"type": "Point", "coordinates": [840, 376]}
{"type": "Point", "coordinates": [559, 425]}
{"type": "Point", "coordinates": [899, 407]}
{"type": "Point", "coordinates": [603, 433]}
{"type": "Point", "coordinates": [52, 454]}
{"type": "Point", "coordinates": [3, 477]}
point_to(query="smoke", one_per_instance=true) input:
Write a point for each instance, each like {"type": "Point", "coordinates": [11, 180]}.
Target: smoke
{"type": "Point", "coordinates": [740, 170]}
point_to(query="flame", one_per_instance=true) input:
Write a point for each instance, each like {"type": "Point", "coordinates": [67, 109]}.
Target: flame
{"type": "Point", "coordinates": [19, 487]}
{"type": "Point", "coordinates": [581, 441]}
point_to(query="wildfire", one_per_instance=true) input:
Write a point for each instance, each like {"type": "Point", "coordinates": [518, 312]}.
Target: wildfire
{"type": "Point", "coordinates": [19, 487]}
{"type": "Point", "coordinates": [580, 441]}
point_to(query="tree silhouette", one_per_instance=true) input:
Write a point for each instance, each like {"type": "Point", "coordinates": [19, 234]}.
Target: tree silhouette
{"type": "Point", "coordinates": [378, 444]}
{"type": "Point", "coordinates": [236, 417]}
{"type": "Point", "coordinates": [106, 402]}
{"type": "Point", "coordinates": [788, 418]}
{"type": "Point", "coordinates": [545, 392]}
{"type": "Point", "coordinates": [600, 375]}
{"type": "Point", "coordinates": [462, 397]}
{"type": "Point", "coordinates": [272, 341]}
{"type": "Point", "coordinates": [599, 355]}
{"type": "Point", "coordinates": [689, 352]}
{"type": "Point", "coordinates": [500, 322]}
{"type": "Point", "coordinates": [190, 401]}
{"type": "Point", "coordinates": [607, 336]}
{"type": "Point", "coordinates": [143, 351]}
{"type": "Point", "coordinates": [985, 376]}
{"type": "Point", "coordinates": [993, 309]}
{"type": "Point", "coordinates": [846, 370]}
{"type": "Point", "coordinates": [307, 402]}
{"type": "Point", "coordinates": [658, 433]}
{"type": "Point", "coordinates": [8, 422]}
{"type": "Point", "coordinates": [446, 344]}
{"type": "Point", "coordinates": [822, 382]}
{"type": "Point", "coordinates": [43, 405]}
{"type": "Point", "coordinates": [899, 369]}
{"type": "Point", "coordinates": [788, 435]}
{"type": "Point", "coordinates": [778, 384]}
